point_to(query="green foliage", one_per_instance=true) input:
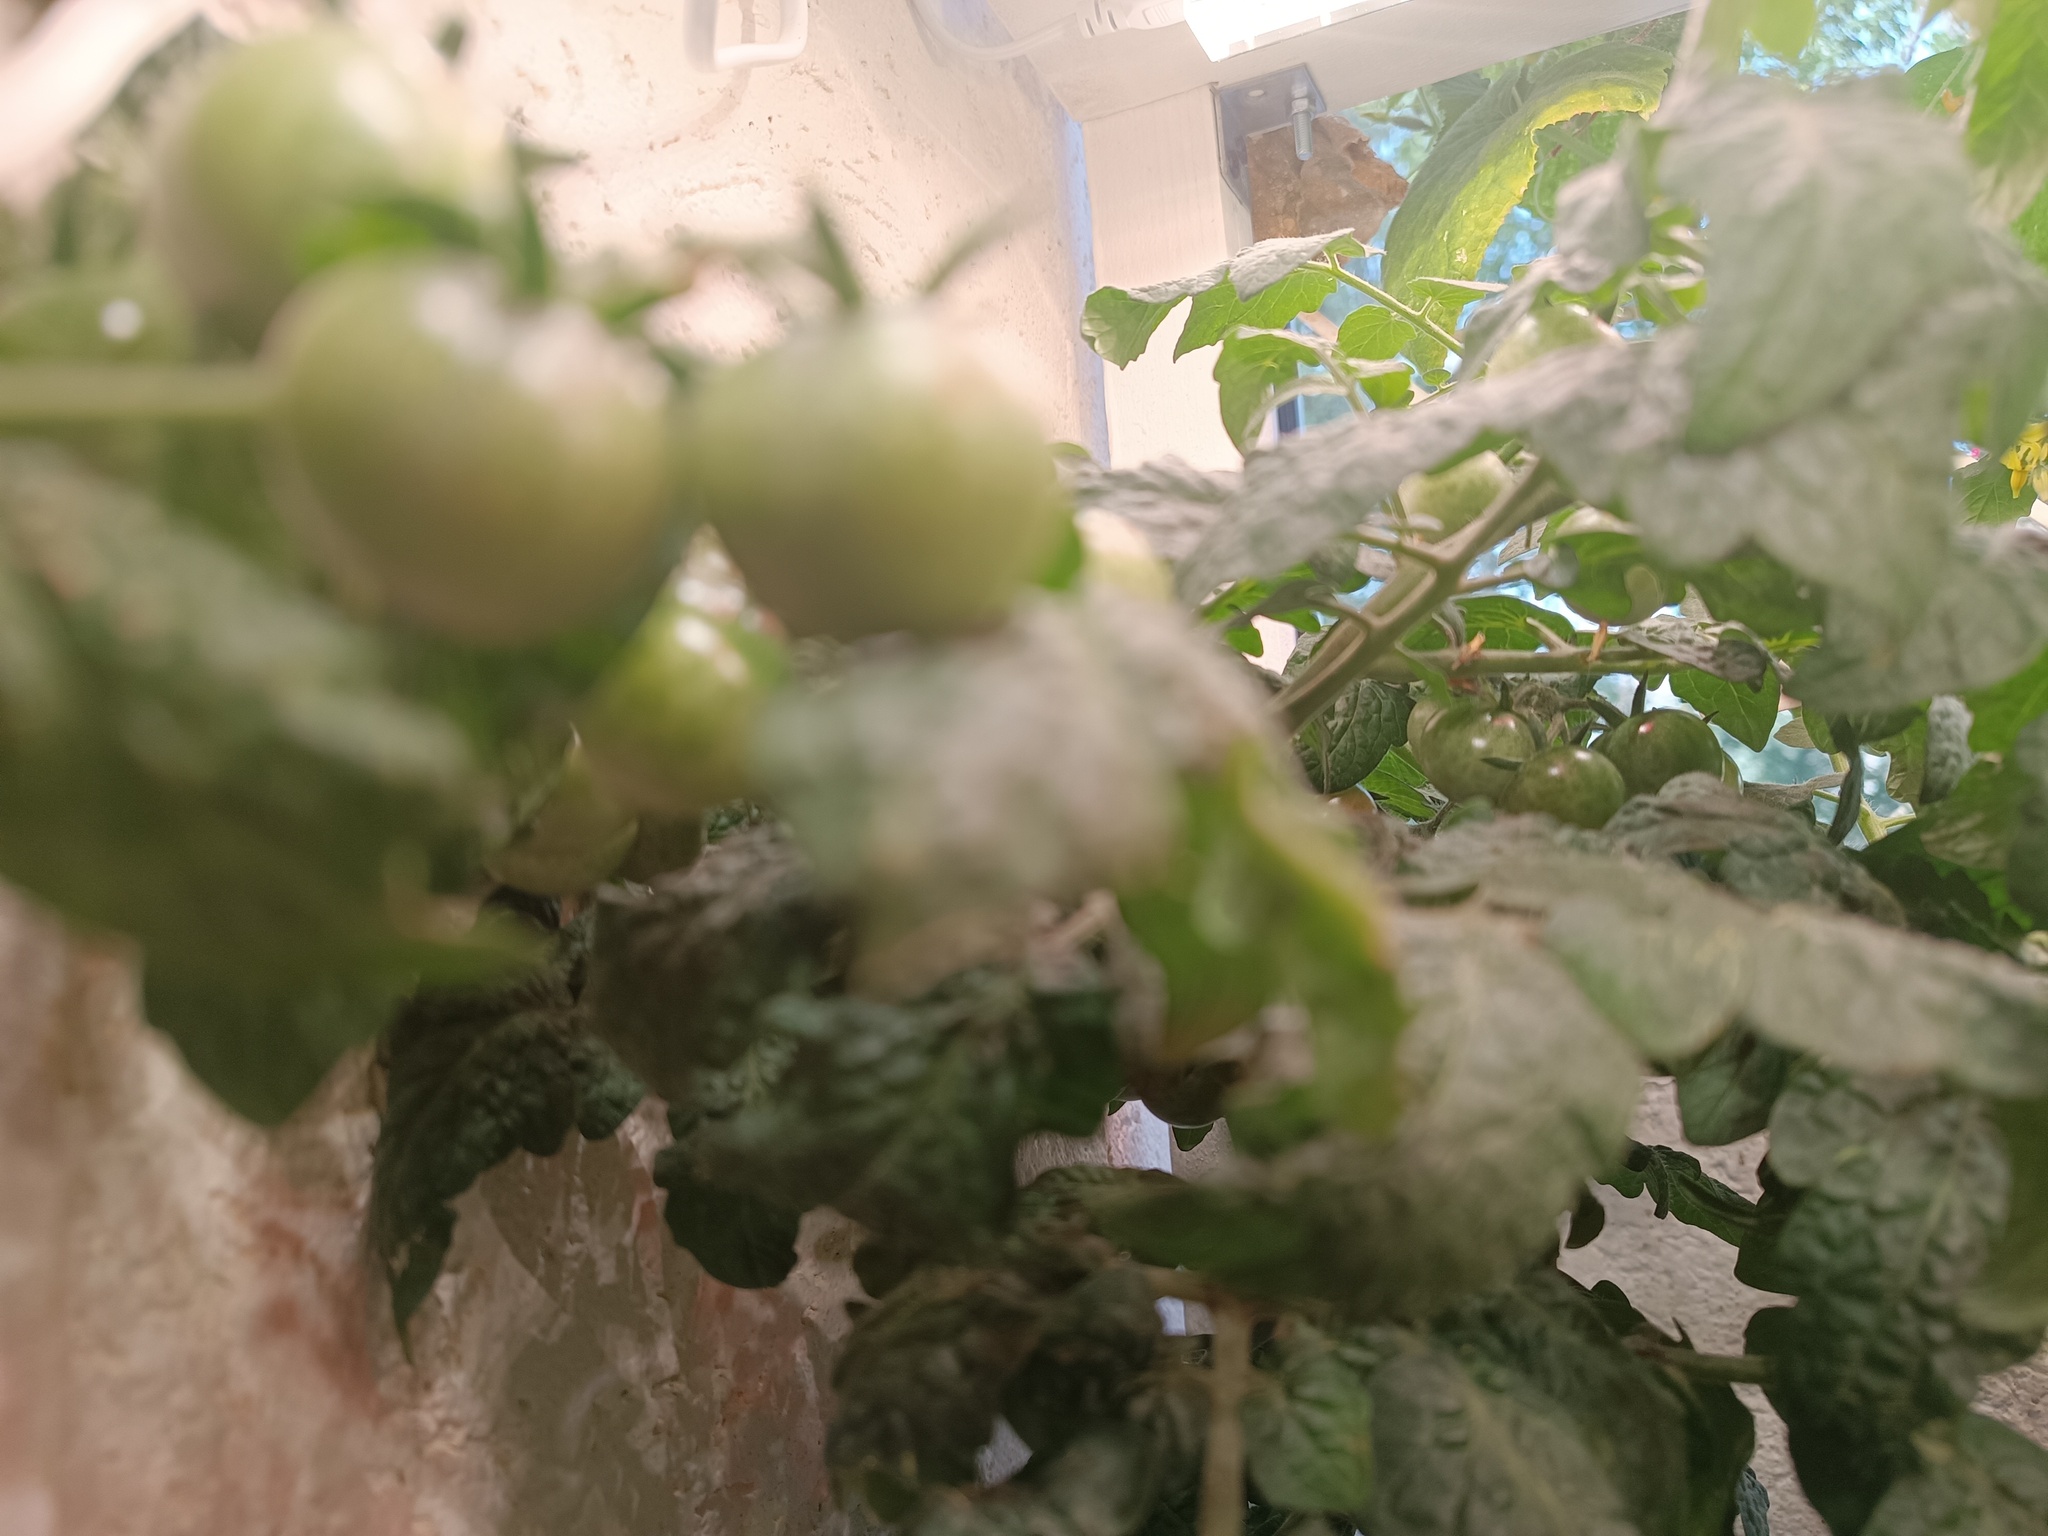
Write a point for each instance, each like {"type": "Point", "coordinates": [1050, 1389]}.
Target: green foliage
{"type": "Point", "coordinates": [472, 1076]}
{"type": "Point", "coordinates": [1263, 286]}
{"type": "Point", "coordinates": [2008, 129]}
{"type": "Point", "coordinates": [1345, 743]}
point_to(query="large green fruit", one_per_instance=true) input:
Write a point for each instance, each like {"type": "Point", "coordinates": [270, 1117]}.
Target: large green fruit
{"type": "Point", "coordinates": [279, 162]}
{"type": "Point", "coordinates": [1571, 783]}
{"type": "Point", "coordinates": [124, 314]}
{"type": "Point", "coordinates": [869, 475]}
{"type": "Point", "coordinates": [496, 474]}
{"type": "Point", "coordinates": [669, 725]}
{"type": "Point", "coordinates": [1470, 751]}
{"type": "Point", "coordinates": [1551, 329]}
{"type": "Point", "coordinates": [1653, 749]}
{"type": "Point", "coordinates": [1422, 717]}
{"type": "Point", "coordinates": [1453, 497]}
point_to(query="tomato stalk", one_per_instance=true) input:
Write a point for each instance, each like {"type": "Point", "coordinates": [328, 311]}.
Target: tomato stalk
{"type": "Point", "coordinates": [1751, 1369]}
{"type": "Point", "coordinates": [1413, 316]}
{"type": "Point", "coordinates": [1230, 1374]}
{"type": "Point", "coordinates": [52, 394]}
{"type": "Point", "coordinates": [1377, 629]}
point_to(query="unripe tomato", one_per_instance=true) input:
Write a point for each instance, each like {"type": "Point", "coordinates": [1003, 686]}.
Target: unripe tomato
{"type": "Point", "coordinates": [263, 176]}
{"type": "Point", "coordinates": [573, 838]}
{"type": "Point", "coordinates": [124, 314]}
{"type": "Point", "coordinates": [1453, 497]}
{"type": "Point", "coordinates": [869, 475]}
{"type": "Point", "coordinates": [496, 474]}
{"type": "Point", "coordinates": [1571, 783]}
{"type": "Point", "coordinates": [1551, 329]}
{"type": "Point", "coordinates": [1653, 749]}
{"type": "Point", "coordinates": [1422, 716]}
{"type": "Point", "coordinates": [1469, 751]}
{"type": "Point", "coordinates": [669, 724]}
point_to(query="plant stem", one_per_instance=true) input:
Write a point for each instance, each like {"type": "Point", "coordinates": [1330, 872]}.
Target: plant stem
{"type": "Point", "coordinates": [1755, 1369]}
{"type": "Point", "coordinates": [58, 394]}
{"type": "Point", "coordinates": [1414, 317]}
{"type": "Point", "coordinates": [1376, 629]}
{"type": "Point", "coordinates": [1850, 801]}
{"type": "Point", "coordinates": [1230, 1373]}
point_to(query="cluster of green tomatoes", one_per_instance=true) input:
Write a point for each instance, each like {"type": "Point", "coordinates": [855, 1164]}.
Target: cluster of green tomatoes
{"type": "Point", "coordinates": [1471, 751]}
{"type": "Point", "coordinates": [468, 455]}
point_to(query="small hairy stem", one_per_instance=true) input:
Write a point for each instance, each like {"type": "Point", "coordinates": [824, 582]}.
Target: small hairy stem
{"type": "Point", "coordinates": [1381, 625]}
{"type": "Point", "coordinates": [1230, 1373]}
{"type": "Point", "coordinates": [1428, 554]}
{"type": "Point", "coordinates": [1413, 316]}
{"type": "Point", "coordinates": [1851, 798]}
{"type": "Point", "coordinates": [64, 394]}
{"type": "Point", "coordinates": [1754, 1369]}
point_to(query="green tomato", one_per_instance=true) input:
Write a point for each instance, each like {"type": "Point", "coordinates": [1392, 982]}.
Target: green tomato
{"type": "Point", "coordinates": [571, 840]}
{"type": "Point", "coordinates": [124, 314]}
{"type": "Point", "coordinates": [268, 172]}
{"type": "Point", "coordinates": [495, 474]}
{"type": "Point", "coordinates": [1420, 718]}
{"type": "Point", "coordinates": [1573, 784]}
{"type": "Point", "coordinates": [869, 475]}
{"type": "Point", "coordinates": [1547, 330]}
{"type": "Point", "coordinates": [670, 722]}
{"type": "Point", "coordinates": [1470, 751]}
{"type": "Point", "coordinates": [1453, 497]}
{"type": "Point", "coordinates": [1653, 749]}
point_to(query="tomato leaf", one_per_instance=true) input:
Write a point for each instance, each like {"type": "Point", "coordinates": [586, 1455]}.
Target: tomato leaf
{"type": "Point", "coordinates": [1725, 1093]}
{"type": "Point", "coordinates": [2008, 130]}
{"type": "Point", "coordinates": [1680, 1187]}
{"type": "Point", "coordinates": [1483, 163]}
{"type": "Point", "coordinates": [1903, 1189]}
{"type": "Point", "coordinates": [2010, 1293]}
{"type": "Point", "coordinates": [1308, 1428]}
{"type": "Point", "coordinates": [1746, 711]}
{"type": "Point", "coordinates": [1345, 743]}
{"type": "Point", "coordinates": [1373, 333]}
{"type": "Point", "coordinates": [1973, 1474]}
{"type": "Point", "coordinates": [1118, 322]}
{"type": "Point", "coordinates": [740, 1239]}
{"type": "Point", "coordinates": [474, 1076]}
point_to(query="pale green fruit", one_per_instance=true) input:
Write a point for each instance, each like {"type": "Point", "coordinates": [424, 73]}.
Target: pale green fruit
{"type": "Point", "coordinates": [1453, 497]}
{"type": "Point", "coordinates": [1543, 331]}
{"type": "Point", "coordinates": [572, 840]}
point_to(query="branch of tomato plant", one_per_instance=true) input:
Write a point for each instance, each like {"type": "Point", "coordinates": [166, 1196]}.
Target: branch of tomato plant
{"type": "Point", "coordinates": [1373, 631]}
{"type": "Point", "coordinates": [1850, 799]}
{"type": "Point", "coordinates": [1413, 316]}
{"type": "Point", "coordinates": [1230, 1374]}
{"type": "Point", "coordinates": [1753, 1369]}
{"type": "Point", "coordinates": [1399, 668]}
{"type": "Point", "coordinates": [58, 394]}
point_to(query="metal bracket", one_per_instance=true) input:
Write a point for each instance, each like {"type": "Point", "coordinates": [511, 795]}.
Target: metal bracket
{"type": "Point", "coordinates": [700, 38]}
{"type": "Point", "coordinates": [1252, 106]}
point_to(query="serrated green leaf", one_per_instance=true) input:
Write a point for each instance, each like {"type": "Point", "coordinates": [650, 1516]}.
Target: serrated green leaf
{"type": "Point", "coordinates": [2010, 1293]}
{"type": "Point", "coordinates": [2008, 130]}
{"type": "Point", "coordinates": [472, 1077]}
{"type": "Point", "coordinates": [1939, 897]}
{"type": "Point", "coordinates": [1725, 1094]}
{"type": "Point", "coordinates": [1373, 333]}
{"type": "Point", "coordinates": [1522, 1093]}
{"type": "Point", "coordinates": [1974, 1474]}
{"type": "Point", "coordinates": [1094, 1341]}
{"type": "Point", "coordinates": [1999, 712]}
{"type": "Point", "coordinates": [1218, 311]}
{"type": "Point", "coordinates": [1975, 825]}
{"type": "Point", "coordinates": [1680, 1187]}
{"type": "Point", "coordinates": [1758, 592]}
{"type": "Point", "coordinates": [1249, 368]}
{"type": "Point", "coordinates": [1345, 743]}
{"type": "Point", "coordinates": [738, 1238]}
{"type": "Point", "coordinates": [1903, 1188]}
{"type": "Point", "coordinates": [1988, 496]}
{"type": "Point", "coordinates": [1308, 1428]}
{"type": "Point", "coordinates": [1940, 76]}
{"type": "Point", "coordinates": [679, 968]}
{"type": "Point", "coordinates": [1746, 711]}
{"type": "Point", "coordinates": [1118, 323]}
{"type": "Point", "coordinates": [1483, 163]}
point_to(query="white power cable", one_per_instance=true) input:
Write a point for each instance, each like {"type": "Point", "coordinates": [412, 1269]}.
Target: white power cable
{"type": "Point", "coordinates": [701, 45]}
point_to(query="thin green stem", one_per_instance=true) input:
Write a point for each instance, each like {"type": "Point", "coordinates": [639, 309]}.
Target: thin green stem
{"type": "Point", "coordinates": [1413, 316]}
{"type": "Point", "coordinates": [63, 394]}
{"type": "Point", "coordinates": [1230, 1374]}
{"type": "Point", "coordinates": [1850, 800]}
{"type": "Point", "coordinates": [1752, 1369]}
{"type": "Point", "coordinates": [1377, 629]}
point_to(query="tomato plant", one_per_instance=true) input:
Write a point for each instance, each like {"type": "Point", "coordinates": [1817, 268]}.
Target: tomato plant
{"type": "Point", "coordinates": [1011, 834]}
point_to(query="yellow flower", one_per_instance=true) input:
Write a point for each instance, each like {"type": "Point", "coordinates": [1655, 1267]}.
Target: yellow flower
{"type": "Point", "coordinates": [2027, 455]}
